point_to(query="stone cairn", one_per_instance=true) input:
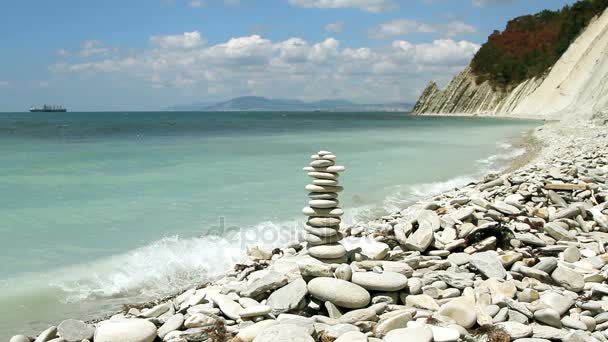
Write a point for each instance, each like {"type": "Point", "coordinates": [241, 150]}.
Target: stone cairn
{"type": "Point", "coordinates": [323, 211]}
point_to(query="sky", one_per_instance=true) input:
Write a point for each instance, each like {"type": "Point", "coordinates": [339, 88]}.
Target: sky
{"type": "Point", "coordinates": [152, 54]}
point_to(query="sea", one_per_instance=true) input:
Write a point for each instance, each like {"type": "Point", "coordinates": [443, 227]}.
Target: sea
{"type": "Point", "coordinates": [102, 209]}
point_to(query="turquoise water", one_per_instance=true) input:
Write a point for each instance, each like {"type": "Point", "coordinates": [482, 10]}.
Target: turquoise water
{"type": "Point", "coordinates": [98, 209]}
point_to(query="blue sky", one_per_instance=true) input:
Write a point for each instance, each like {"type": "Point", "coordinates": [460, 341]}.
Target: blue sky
{"type": "Point", "coordinates": [146, 55]}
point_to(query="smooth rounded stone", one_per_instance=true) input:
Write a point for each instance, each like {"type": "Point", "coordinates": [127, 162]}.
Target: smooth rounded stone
{"type": "Point", "coordinates": [323, 188]}
{"type": "Point", "coordinates": [323, 203]}
{"type": "Point", "coordinates": [422, 301]}
{"type": "Point", "coordinates": [323, 232]}
{"type": "Point", "coordinates": [556, 301]}
{"type": "Point", "coordinates": [324, 182]}
{"type": "Point", "coordinates": [335, 168]}
{"type": "Point", "coordinates": [321, 163]}
{"type": "Point", "coordinates": [387, 281]}
{"type": "Point", "coordinates": [322, 195]}
{"type": "Point", "coordinates": [531, 339]}
{"type": "Point", "coordinates": [398, 321]}
{"type": "Point", "coordinates": [412, 334]}
{"type": "Point", "coordinates": [288, 297]}
{"type": "Point", "coordinates": [199, 320]}
{"type": "Point", "coordinates": [72, 330]}
{"type": "Point", "coordinates": [327, 251]}
{"type": "Point", "coordinates": [516, 330]}
{"type": "Point", "coordinates": [488, 264]}
{"type": "Point", "coordinates": [47, 335]}
{"type": "Point", "coordinates": [323, 175]}
{"type": "Point", "coordinates": [352, 336]}
{"type": "Point", "coordinates": [125, 330]}
{"type": "Point", "coordinates": [333, 212]}
{"type": "Point", "coordinates": [284, 333]}
{"type": "Point", "coordinates": [229, 307]}
{"type": "Point", "coordinates": [549, 317]}
{"type": "Point", "coordinates": [323, 221]}
{"type": "Point", "coordinates": [340, 329]}
{"type": "Point", "coordinates": [589, 322]}
{"type": "Point", "coordinates": [340, 292]}
{"type": "Point", "coordinates": [19, 338]}
{"type": "Point", "coordinates": [459, 258]}
{"type": "Point", "coordinates": [461, 310]}
{"type": "Point", "coordinates": [173, 323]}
{"type": "Point", "coordinates": [569, 279]}
{"type": "Point", "coordinates": [246, 302]}
{"type": "Point", "coordinates": [259, 310]}
{"type": "Point", "coordinates": [528, 296]}
{"type": "Point", "coordinates": [344, 272]}
{"type": "Point", "coordinates": [572, 323]}
{"type": "Point", "coordinates": [415, 286]}
{"type": "Point", "coordinates": [318, 240]}
{"type": "Point", "coordinates": [421, 239]}
{"type": "Point", "coordinates": [156, 311]}
{"type": "Point", "coordinates": [515, 316]}
{"type": "Point", "coordinates": [547, 332]}
{"type": "Point", "coordinates": [441, 334]}
{"type": "Point", "coordinates": [249, 333]}
{"type": "Point", "coordinates": [572, 254]}
{"type": "Point", "coordinates": [506, 288]}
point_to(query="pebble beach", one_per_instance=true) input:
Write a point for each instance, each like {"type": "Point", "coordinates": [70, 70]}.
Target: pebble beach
{"type": "Point", "coordinates": [516, 256]}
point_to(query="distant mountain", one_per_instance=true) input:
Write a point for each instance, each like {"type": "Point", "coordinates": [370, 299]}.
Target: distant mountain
{"type": "Point", "coordinates": [257, 103]}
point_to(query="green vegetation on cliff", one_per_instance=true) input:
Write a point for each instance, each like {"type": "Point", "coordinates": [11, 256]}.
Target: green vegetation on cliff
{"type": "Point", "coordinates": [531, 44]}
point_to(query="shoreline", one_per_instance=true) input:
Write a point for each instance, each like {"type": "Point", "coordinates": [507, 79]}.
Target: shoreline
{"type": "Point", "coordinates": [541, 144]}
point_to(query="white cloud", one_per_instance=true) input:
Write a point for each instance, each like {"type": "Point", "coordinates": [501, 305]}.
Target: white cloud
{"type": "Point", "coordinates": [482, 3]}
{"type": "Point", "coordinates": [63, 53]}
{"type": "Point", "coordinates": [335, 27]}
{"type": "Point", "coordinates": [402, 27]}
{"type": "Point", "coordinates": [374, 6]}
{"type": "Point", "coordinates": [92, 48]}
{"type": "Point", "coordinates": [187, 40]}
{"type": "Point", "coordinates": [197, 3]}
{"type": "Point", "coordinates": [296, 68]}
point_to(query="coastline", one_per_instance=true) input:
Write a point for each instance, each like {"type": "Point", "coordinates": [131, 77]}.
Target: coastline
{"type": "Point", "coordinates": [541, 145]}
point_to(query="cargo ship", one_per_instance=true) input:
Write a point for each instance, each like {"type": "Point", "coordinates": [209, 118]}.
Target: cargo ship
{"type": "Point", "coordinates": [49, 109]}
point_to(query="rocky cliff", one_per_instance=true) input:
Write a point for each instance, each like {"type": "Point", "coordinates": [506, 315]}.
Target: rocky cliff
{"type": "Point", "coordinates": [577, 82]}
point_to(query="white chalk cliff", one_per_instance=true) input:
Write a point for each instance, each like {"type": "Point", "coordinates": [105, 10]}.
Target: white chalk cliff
{"type": "Point", "coordinates": [576, 85]}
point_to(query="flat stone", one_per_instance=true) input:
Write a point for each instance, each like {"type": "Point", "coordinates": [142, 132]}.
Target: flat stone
{"type": "Point", "coordinates": [421, 239]}
{"type": "Point", "coordinates": [321, 232]}
{"type": "Point", "coordinates": [125, 330]}
{"type": "Point", "coordinates": [315, 240]}
{"type": "Point", "coordinates": [173, 323]}
{"type": "Point", "coordinates": [556, 231]}
{"type": "Point", "coordinates": [269, 282]}
{"type": "Point", "coordinates": [72, 330]}
{"type": "Point", "coordinates": [572, 254]}
{"type": "Point", "coordinates": [253, 311]}
{"type": "Point", "coordinates": [572, 323]}
{"type": "Point", "coordinates": [321, 163]}
{"type": "Point", "coordinates": [324, 182]}
{"type": "Point", "coordinates": [340, 292]}
{"type": "Point", "coordinates": [422, 302]}
{"type": "Point", "coordinates": [387, 281]}
{"type": "Point", "coordinates": [547, 332]}
{"type": "Point", "coordinates": [506, 288]}
{"type": "Point", "coordinates": [441, 334]}
{"type": "Point", "coordinates": [323, 221]}
{"type": "Point", "coordinates": [360, 315]}
{"type": "Point", "coordinates": [459, 258]}
{"type": "Point", "coordinates": [327, 251]}
{"type": "Point", "coordinates": [199, 320]}
{"type": "Point", "coordinates": [323, 188]}
{"type": "Point", "coordinates": [556, 301]}
{"type": "Point", "coordinates": [398, 321]}
{"type": "Point", "coordinates": [488, 264]}
{"type": "Point", "coordinates": [340, 329]}
{"type": "Point", "coordinates": [229, 307]}
{"type": "Point", "coordinates": [284, 333]}
{"type": "Point", "coordinates": [505, 208]}
{"type": "Point", "coordinates": [352, 336]}
{"type": "Point", "coordinates": [323, 175]}
{"type": "Point", "coordinates": [516, 330]}
{"type": "Point", "coordinates": [322, 196]}
{"type": "Point", "coordinates": [548, 316]}
{"type": "Point", "coordinates": [288, 297]}
{"type": "Point", "coordinates": [249, 333]}
{"type": "Point", "coordinates": [156, 311]}
{"type": "Point", "coordinates": [461, 310]}
{"type": "Point", "coordinates": [324, 203]}
{"type": "Point", "coordinates": [332, 212]}
{"type": "Point", "coordinates": [569, 279]}
{"type": "Point", "coordinates": [412, 334]}
{"type": "Point", "coordinates": [47, 335]}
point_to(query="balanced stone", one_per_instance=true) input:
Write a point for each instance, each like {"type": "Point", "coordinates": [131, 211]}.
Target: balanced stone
{"type": "Point", "coordinates": [321, 232]}
{"type": "Point", "coordinates": [323, 221]}
{"type": "Point", "coordinates": [323, 175]}
{"type": "Point", "coordinates": [323, 188]}
{"type": "Point", "coordinates": [321, 163]}
{"type": "Point", "coordinates": [323, 203]}
{"type": "Point", "coordinates": [322, 195]}
{"type": "Point", "coordinates": [325, 182]}
{"type": "Point", "coordinates": [327, 251]}
{"type": "Point", "coordinates": [330, 212]}
{"type": "Point", "coordinates": [318, 240]}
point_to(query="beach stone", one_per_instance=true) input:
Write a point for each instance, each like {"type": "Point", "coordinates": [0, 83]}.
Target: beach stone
{"type": "Point", "coordinates": [284, 333]}
{"type": "Point", "coordinates": [506, 288]}
{"type": "Point", "coordinates": [323, 221]}
{"type": "Point", "coordinates": [254, 311]}
{"type": "Point", "coordinates": [315, 240]}
{"type": "Point", "coordinates": [441, 334]}
{"type": "Point", "coordinates": [367, 314]}
{"type": "Point", "coordinates": [546, 265]}
{"type": "Point", "coordinates": [398, 321]}
{"type": "Point", "coordinates": [505, 208]}
{"type": "Point", "coordinates": [548, 316]}
{"type": "Point", "coordinates": [572, 254]}
{"type": "Point", "coordinates": [340, 329]}
{"type": "Point", "coordinates": [321, 163]}
{"type": "Point", "coordinates": [199, 320]}
{"type": "Point", "coordinates": [488, 264]}
{"type": "Point", "coordinates": [327, 251]}
{"type": "Point", "coordinates": [461, 310]}
{"type": "Point", "coordinates": [421, 239]}
{"type": "Point", "coordinates": [569, 279]}
{"type": "Point", "coordinates": [229, 307]}
{"type": "Point", "coordinates": [516, 330]}
{"type": "Point", "coordinates": [19, 338]}
{"type": "Point", "coordinates": [556, 301]}
{"type": "Point", "coordinates": [422, 301]}
{"type": "Point", "coordinates": [332, 212]}
{"type": "Point", "coordinates": [173, 323]}
{"type": "Point", "coordinates": [412, 334]}
{"type": "Point", "coordinates": [47, 335]}
{"type": "Point", "coordinates": [572, 323]}
{"type": "Point", "coordinates": [459, 258]}
{"type": "Point", "coordinates": [321, 196]}
{"type": "Point", "coordinates": [387, 281]}
{"type": "Point", "coordinates": [323, 188]}
{"type": "Point", "coordinates": [352, 336]}
{"type": "Point", "coordinates": [249, 333]}
{"type": "Point", "coordinates": [344, 272]}
{"type": "Point", "coordinates": [72, 330]}
{"type": "Point", "coordinates": [331, 182]}
{"type": "Point", "coordinates": [321, 232]}
{"type": "Point", "coordinates": [335, 168]}
{"type": "Point", "coordinates": [532, 339]}
{"type": "Point", "coordinates": [323, 203]}
{"type": "Point", "coordinates": [340, 292]}
{"type": "Point", "coordinates": [288, 297]}
{"type": "Point", "coordinates": [125, 330]}
{"type": "Point", "coordinates": [556, 231]}
{"type": "Point", "coordinates": [547, 332]}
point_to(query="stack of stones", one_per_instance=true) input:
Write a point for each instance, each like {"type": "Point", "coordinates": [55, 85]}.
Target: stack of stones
{"type": "Point", "coordinates": [323, 211]}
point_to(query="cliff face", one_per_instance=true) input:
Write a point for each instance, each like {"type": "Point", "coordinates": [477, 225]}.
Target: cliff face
{"type": "Point", "coordinates": [577, 82]}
